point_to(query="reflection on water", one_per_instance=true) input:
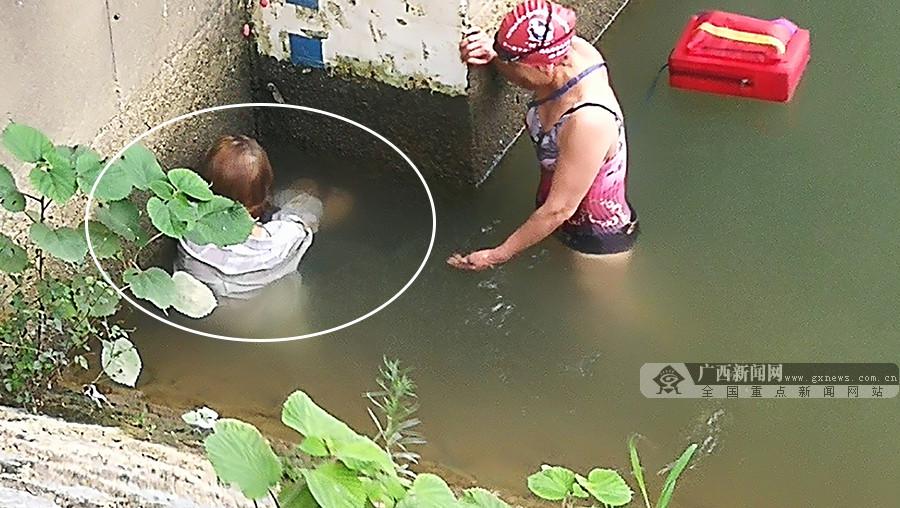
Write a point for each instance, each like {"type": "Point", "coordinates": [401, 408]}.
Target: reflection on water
{"type": "Point", "coordinates": [769, 233]}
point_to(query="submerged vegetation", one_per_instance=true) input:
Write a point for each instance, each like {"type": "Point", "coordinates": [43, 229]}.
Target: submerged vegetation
{"type": "Point", "coordinates": [56, 307]}
{"type": "Point", "coordinates": [335, 467]}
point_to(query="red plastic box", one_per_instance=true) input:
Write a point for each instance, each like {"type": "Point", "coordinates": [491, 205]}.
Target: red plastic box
{"type": "Point", "coordinates": [725, 53]}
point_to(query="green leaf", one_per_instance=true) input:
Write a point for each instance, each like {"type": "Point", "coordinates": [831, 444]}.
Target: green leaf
{"type": "Point", "coordinates": [355, 451]}
{"type": "Point", "coordinates": [142, 167]}
{"type": "Point", "coordinates": [296, 495]}
{"type": "Point", "coordinates": [152, 284]}
{"type": "Point", "coordinates": [552, 483]}
{"type": "Point", "coordinates": [242, 457]}
{"type": "Point", "coordinates": [578, 491]}
{"type": "Point", "coordinates": [429, 491]}
{"type": "Point", "coordinates": [10, 197]}
{"type": "Point", "coordinates": [192, 297]}
{"type": "Point", "coordinates": [669, 486]}
{"type": "Point", "coordinates": [335, 486]}
{"type": "Point", "coordinates": [607, 486]}
{"type": "Point", "coordinates": [66, 244]}
{"type": "Point", "coordinates": [163, 219]}
{"type": "Point", "coordinates": [105, 243]}
{"type": "Point", "coordinates": [314, 447]}
{"type": "Point", "coordinates": [637, 470]}
{"type": "Point", "coordinates": [87, 166]}
{"type": "Point", "coordinates": [57, 298]}
{"type": "Point", "coordinates": [121, 362]}
{"type": "Point", "coordinates": [162, 189]}
{"type": "Point", "coordinates": [94, 297]}
{"type": "Point", "coordinates": [190, 183]}
{"type": "Point", "coordinates": [115, 183]}
{"type": "Point", "coordinates": [13, 258]}
{"type": "Point", "coordinates": [221, 225]}
{"type": "Point", "coordinates": [383, 490]}
{"type": "Point", "coordinates": [58, 181]}
{"type": "Point", "coordinates": [183, 210]}
{"type": "Point", "coordinates": [122, 218]}
{"type": "Point", "coordinates": [26, 143]}
{"type": "Point", "coordinates": [482, 499]}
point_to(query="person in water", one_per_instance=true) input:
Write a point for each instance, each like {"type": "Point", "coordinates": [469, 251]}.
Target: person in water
{"type": "Point", "coordinates": [578, 130]}
{"type": "Point", "coordinates": [237, 167]}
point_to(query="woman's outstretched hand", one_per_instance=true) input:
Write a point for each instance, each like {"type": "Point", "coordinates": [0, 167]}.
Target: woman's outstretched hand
{"type": "Point", "coordinates": [476, 48]}
{"type": "Point", "coordinates": [477, 261]}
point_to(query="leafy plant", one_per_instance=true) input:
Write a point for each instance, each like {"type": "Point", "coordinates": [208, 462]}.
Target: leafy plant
{"type": "Point", "coordinates": [396, 403]}
{"type": "Point", "coordinates": [675, 472]}
{"type": "Point", "coordinates": [555, 483]}
{"type": "Point", "coordinates": [332, 466]}
{"type": "Point", "coordinates": [54, 306]}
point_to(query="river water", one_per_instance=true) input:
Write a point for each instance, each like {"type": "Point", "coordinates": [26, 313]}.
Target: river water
{"type": "Point", "coordinates": [770, 233]}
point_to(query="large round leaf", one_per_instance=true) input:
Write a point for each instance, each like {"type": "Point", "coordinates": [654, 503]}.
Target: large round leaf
{"type": "Point", "coordinates": [121, 362]}
{"type": "Point", "coordinates": [552, 483]}
{"type": "Point", "coordinates": [607, 486]}
{"type": "Point", "coordinates": [320, 428]}
{"type": "Point", "coordinates": [335, 486]}
{"type": "Point", "coordinates": [152, 284]}
{"type": "Point", "coordinates": [58, 181]}
{"type": "Point", "coordinates": [163, 219]}
{"type": "Point", "coordinates": [429, 491]}
{"type": "Point", "coordinates": [192, 297]}
{"type": "Point", "coordinates": [122, 218]}
{"type": "Point", "coordinates": [26, 143]}
{"type": "Point", "coordinates": [115, 184]}
{"type": "Point", "coordinates": [303, 415]}
{"type": "Point", "coordinates": [242, 457]}
{"type": "Point", "coordinates": [482, 499]}
{"type": "Point", "coordinates": [142, 166]}
{"type": "Point", "coordinates": [190, 184]}
{"type": "Point", "coordinates": [13, 258]}
{"type": "Point", "coordinates": [10, 197]}
{"type": "Point", "coordinates": [222, 222]}
{"type": "Point", "coordinates": [66, 244]}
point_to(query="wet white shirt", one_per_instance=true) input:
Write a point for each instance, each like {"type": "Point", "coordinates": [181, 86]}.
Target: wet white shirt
{"type": "Point", "coordinates": [240, 271]}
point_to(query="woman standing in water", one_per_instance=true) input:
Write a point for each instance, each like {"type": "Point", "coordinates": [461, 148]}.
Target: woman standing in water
{"type": "Point", "coordinates": [578, 130]}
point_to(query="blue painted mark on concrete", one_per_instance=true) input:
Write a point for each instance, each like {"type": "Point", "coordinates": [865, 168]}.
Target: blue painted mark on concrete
{"type": "Point", "coordinates": [312, 4]}
{"type": "Point", "coordinates": [306, 51]}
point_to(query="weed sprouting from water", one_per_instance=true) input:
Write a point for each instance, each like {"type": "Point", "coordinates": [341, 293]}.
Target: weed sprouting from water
{"type": "Point", "coordinates": [397, 405]}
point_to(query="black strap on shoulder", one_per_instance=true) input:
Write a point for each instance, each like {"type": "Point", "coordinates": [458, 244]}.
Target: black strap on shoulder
{"type": "Point", "coordinates": [586, 104]}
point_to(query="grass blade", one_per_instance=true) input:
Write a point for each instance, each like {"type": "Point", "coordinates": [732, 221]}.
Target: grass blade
{"type": "Point", "coordinates": [637, 470]}
{"type": "Point", "coordinates": [669, 486]}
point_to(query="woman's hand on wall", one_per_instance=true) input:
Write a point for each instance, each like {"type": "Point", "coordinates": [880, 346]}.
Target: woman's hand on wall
{"type": "Point", "coordinates": [477, 48]}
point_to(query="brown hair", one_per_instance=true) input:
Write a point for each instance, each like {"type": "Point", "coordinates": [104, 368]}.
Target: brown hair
{"type": "Point", "coordinates": [238, 168]}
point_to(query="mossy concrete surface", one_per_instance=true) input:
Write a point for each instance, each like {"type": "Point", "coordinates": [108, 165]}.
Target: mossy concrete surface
{"type": "Point", "coordinates": [450, 137]}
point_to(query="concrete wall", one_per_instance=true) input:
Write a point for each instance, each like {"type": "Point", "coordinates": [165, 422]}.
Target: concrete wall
{"type": "Point", "coordinates": [101, 72]}
{"type": "Point", "coordinates": [385, 64]}
{"type": "Point", "coordinates": [407, 43]}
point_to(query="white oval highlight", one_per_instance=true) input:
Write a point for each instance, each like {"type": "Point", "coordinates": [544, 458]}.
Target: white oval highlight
{"type": "Point", "coordinates": [108, 279]}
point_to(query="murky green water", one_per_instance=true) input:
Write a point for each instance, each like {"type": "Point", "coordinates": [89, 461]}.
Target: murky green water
{"type": "Point", "coordinates": [771, 232]}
